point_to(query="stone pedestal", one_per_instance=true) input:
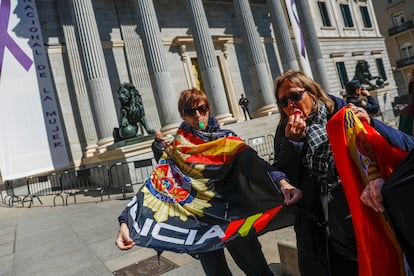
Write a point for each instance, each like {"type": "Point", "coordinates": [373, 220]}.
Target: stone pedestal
{"type": "Point", "coordinates": [129, 141]}
{"type": "Point", "coordinates": [266, 111]}
{"type": "Point", "coordinates": [384, 97]}
{"type": "Point", "coordinates": [288, 254]}
{"type": "Point", "coordinates": [131, 149]}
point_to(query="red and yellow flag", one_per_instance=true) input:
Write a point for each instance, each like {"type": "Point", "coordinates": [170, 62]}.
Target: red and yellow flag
{"type": "Point", "coordinates": [361, 154]}
{"type": "Point", "coordinates": [203, 195]}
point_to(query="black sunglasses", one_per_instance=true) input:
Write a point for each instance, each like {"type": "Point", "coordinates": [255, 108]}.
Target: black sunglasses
{"type": "Point", "coordinates": [294, 98]}
{"type": "Point", "coordinates": [202, 109]}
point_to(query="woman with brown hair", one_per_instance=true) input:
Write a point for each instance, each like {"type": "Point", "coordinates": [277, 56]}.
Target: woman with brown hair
{"type": "Point", "coordinates": [303, 152]}
{"type": "Point", "coordinates": [228, 180]}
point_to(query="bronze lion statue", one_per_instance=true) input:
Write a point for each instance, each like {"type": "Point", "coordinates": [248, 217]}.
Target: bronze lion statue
{"type": "Point", "coordinates": [365, 78]}
{"type": "Point", "coordinates": [132, 113]}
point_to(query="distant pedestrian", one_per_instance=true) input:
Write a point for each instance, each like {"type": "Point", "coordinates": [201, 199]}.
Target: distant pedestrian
{"type": "Point", "coordinates": [244, 103]}
{"type": "Point", "coordinates": [158, 145]}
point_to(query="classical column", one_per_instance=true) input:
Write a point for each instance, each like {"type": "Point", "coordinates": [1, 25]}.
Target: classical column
{"type": "Point", "coordinates": [134, 51]}
{"type": "Point", "coordinates": [88, 130]}
{"type": "Point", "coordinates": [312, 44]}
{"type": "Point", "coordinates": [262, 80]}
{"type": "Point", "coordinates": [209, 68]}
{"type": "Point", "coordinates": [282, 34]}
{"type": "Point", "coordinates": [162, 86]}
{"type": "Point", "coordinates": [95, 71]}
{"type": "Point", "coordinates": [135, 58]}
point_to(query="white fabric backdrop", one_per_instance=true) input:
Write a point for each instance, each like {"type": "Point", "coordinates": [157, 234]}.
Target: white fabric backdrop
{"type": "Point", "coordinates": [31, 136]}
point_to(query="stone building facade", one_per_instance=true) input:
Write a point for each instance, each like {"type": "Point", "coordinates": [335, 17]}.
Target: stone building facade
{"type": "Point", "coordinates": [397, 27]}
{"type": "Point", "coordinates": [225, 47]}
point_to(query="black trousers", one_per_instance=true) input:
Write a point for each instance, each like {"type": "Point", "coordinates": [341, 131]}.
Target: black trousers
{"type": "Point", "coordinates": [316, 256]}
{"type": "Point", "coordinates": [246, 110]}
{"type": "Point", "coordinates": [247, 254]}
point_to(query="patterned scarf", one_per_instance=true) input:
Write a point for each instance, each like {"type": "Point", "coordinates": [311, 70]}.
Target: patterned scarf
{"type": "Point", "coordinates": [211, 133]}
{"type": "Point", "coordinates": [318, 154]}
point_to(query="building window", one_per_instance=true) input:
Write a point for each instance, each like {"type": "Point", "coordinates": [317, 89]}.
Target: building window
{"type": "Point", "coordinates": [346, 14]}
{"type": "Point", "coordinates": [380, 68]}
{"type": "Point", "coordinates": [398, 19]}
{"type": "Point", "coordinates": [406, 50]}
{"type": "Point", "coordinates": [343, 76]}
{"type": "Point", "coordinates": [365, 16]}
{"type": "Point", "coordinates": [324, 14]}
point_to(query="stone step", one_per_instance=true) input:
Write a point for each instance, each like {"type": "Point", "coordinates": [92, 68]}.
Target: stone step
{"type": "Point", "coordinates": [255, 127]}
{"type": "Point", "coordinates": [288, 254]}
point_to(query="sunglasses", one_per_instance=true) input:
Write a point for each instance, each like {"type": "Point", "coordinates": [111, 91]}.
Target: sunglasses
{"type": "Point", "coordinates": [294, 98]}
{"type": "Point", "coordinates": [202, 109]}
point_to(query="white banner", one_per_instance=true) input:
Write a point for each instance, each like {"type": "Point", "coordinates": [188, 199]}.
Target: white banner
{"type": "Point", "coordinates": [31, 139]}
{"type": "Point", "coordinates": [297, 32]}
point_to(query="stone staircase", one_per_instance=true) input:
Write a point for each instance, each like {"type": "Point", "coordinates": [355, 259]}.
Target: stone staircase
{"type": "Point", "coordinates": [256, 127]}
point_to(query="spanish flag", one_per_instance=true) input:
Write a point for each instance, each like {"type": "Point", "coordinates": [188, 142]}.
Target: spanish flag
{"type": "Point", "coordinates": [361, 154]}
{"type": "Point", "coordinates": [204, 194]}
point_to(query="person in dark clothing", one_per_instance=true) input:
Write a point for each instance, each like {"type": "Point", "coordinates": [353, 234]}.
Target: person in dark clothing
{"type": "Point", "coordinates": [359, 96]}
{"type": "Point", "coordinates": [244, 103]}
{"type": "Point", "coordinates": [406, 121]}
{"type": "Point", "coordinates": [194, 108]}
{"type": "Point", "coordinates": [303, 153]}
{"type": "Point", "coordinates": [158, 145]}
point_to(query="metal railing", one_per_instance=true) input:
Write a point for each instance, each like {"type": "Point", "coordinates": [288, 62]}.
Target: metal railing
{"type": "Point", "coordinates": [98, 180]}
{"type": "Point", "coordinates": [16, 190]}
{"type": "Point", "coordinates": [124, 175]}
{"type": "Point", "coordinates": [87, 181]}
{"type": "Point", "coordinates": [400, 28]}
{"type": "Point", "coordinates": [43, 186]}
{"type": "Point", "coordinates": [90, 182]}
{"type": "Point", "coordinates": [263, 146]}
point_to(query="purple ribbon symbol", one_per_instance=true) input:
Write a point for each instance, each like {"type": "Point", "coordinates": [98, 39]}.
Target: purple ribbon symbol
{"type": "Point", "coordinates": [302, 40]}
{"type": "Point", "coordinates": [7, 41]}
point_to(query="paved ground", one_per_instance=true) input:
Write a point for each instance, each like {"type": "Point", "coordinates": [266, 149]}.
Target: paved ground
{"type": "Point", "coordinates": [78, 239]}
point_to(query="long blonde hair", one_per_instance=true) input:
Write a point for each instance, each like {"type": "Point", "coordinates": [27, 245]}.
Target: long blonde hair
{"type": "Point", "coordinates": [300, 79]}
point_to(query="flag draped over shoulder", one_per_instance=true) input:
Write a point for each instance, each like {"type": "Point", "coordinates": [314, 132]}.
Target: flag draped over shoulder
{"type": "Point", "coordinates": [361, 154]}
{"type": "Point", "coordinates": [202, 195]}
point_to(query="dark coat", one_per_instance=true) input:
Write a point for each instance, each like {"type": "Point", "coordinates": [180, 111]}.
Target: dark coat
{"type": "Point", "coordinates": [158, 147]}
{"type": "Point", "coordinates": [310, 233]}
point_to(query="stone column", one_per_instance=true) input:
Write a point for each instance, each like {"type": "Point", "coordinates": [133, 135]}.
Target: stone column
{"type": "Point", "coordinates": [262, 80]}
{"type": "Point", "coordinates": [312, 44]}
{"type": "Point", "coordinates": [162, 86]}
{"type": "Point", "coordinates": [81, 92]}
{"type": "Point", "coordinates": [95, 71]}
{"type": "Point", "coordinates": [209, 68]}
{"type": "Point", "coordinates": [135, 58]}
{"type": "Point", "coordinates": [282, 34]}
